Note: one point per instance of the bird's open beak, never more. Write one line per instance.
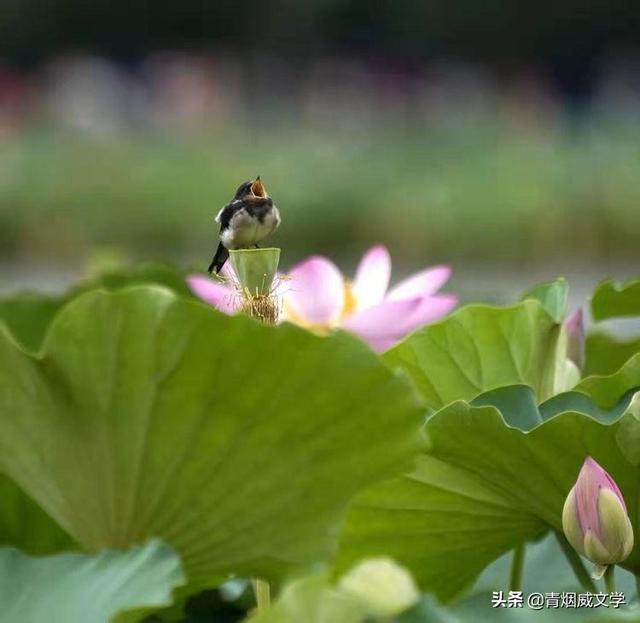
(258, 189)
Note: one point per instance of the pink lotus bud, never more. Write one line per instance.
(594, 517)
(574, 326)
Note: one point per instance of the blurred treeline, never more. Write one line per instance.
(499, 31)
(503, 133)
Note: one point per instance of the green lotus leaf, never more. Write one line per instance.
(479, 348)
(490, 480)
(27, 314)
(519, 402)
(606, 354)
(23, 524)
(148, 414)
(579, 402)
(614, 300)
(139, 274)
(553, 296)
(80, 588)
(442, 523)
(606, 391)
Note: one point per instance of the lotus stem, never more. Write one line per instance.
(610, 578)
(517, 568)
(263, 595)
(582, 575)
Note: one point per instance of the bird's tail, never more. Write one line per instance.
(219, 259)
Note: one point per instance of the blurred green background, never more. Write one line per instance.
(502, 139)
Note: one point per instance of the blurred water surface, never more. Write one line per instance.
(508, 180)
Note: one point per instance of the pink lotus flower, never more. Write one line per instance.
(317, 296)
(595, 519)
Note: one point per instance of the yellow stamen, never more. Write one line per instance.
(349, 306)
(262, 307)
(350, 300)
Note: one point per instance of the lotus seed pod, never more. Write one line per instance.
(256, 269)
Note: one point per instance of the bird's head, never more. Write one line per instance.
(253, 189)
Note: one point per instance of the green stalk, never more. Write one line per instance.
(263, 595)
(610, 578)
(637, 577)
(574, 560)
(255, 270)
(517, 567)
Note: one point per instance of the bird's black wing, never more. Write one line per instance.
(220, 257)
(224, 218)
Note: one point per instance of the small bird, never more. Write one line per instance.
(248, 218)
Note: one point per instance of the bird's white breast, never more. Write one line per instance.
(245, 230)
